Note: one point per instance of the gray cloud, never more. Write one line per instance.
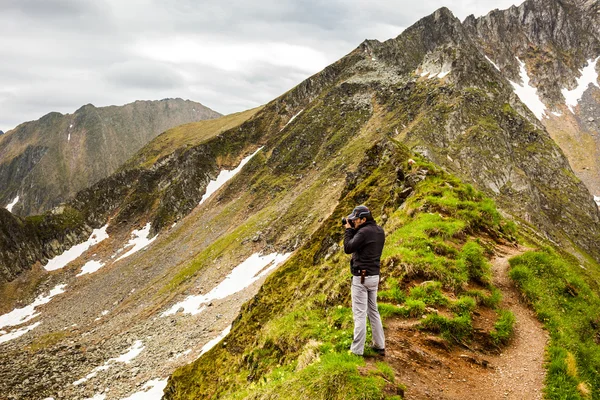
(60, 54)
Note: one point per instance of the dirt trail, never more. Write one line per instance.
(432, 369)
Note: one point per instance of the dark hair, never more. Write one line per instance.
(369, 217)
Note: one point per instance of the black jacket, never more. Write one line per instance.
(366, 245)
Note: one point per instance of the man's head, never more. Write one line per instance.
(360, 215)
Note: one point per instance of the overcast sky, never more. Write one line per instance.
(57, 55)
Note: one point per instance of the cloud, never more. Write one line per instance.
(144, 74)
(60, 54)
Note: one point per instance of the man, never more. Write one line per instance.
(365, 239)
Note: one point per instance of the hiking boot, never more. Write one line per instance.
(379, 352)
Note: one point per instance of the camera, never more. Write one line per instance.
(351, 222)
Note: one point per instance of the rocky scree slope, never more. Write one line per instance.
(557, 45)
(47, 161)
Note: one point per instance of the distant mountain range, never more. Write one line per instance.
(45, 162)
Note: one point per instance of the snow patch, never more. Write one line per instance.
(225, 176)
(74, 252)
(184, 353)
(291, 119)
(98, 396)
(209, 345)
(126, 358)
(19, 316)
(69, 137)
(242, 276)
(132, 353)
(528, 94)
(588, 76)
(71, 126)
(10, 206)
(139, 240)
(91, 267)
(493, 63)
(153, 390)
(19, 332)
(597, 200)
(556, 114)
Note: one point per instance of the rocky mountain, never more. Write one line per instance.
(209, 265)
(45, 162)
(551, 48)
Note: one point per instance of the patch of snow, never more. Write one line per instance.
(153, 390)
(74, 252)
(98, 396)
(174, 223)
(139, 240)
(242, 276)
(10, 206)
(132, 353)
(91, 374)
(291, 119)
(589, 76)
(70, 126)
(19, 316)
(556, 114)
(126, 358)
(90, 267)
(223, 177)
(19, 332)
(184, 353)
(444, 71)
(209, 345)
(597, 200)
(69, 137)
(493, 63)
(528, 94)
(105, 312)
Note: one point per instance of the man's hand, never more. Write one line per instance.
(348, 226)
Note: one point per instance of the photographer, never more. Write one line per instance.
(364, 239)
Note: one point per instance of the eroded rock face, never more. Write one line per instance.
(556, 41)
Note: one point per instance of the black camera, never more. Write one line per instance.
(351, 222)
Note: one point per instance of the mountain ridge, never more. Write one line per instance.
(340, 138)
(45, 162)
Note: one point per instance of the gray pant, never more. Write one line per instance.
(364, 302)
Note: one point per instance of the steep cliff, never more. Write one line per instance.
(47, 161)
(558, 44)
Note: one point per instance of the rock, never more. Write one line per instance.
(590, 119)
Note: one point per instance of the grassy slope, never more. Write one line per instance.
(187, 135)
(565, 295)
(293, 342)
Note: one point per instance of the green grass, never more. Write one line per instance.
(335, 376)
(431, 257)
(189, 135)
(565, 298)
(503, 328)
